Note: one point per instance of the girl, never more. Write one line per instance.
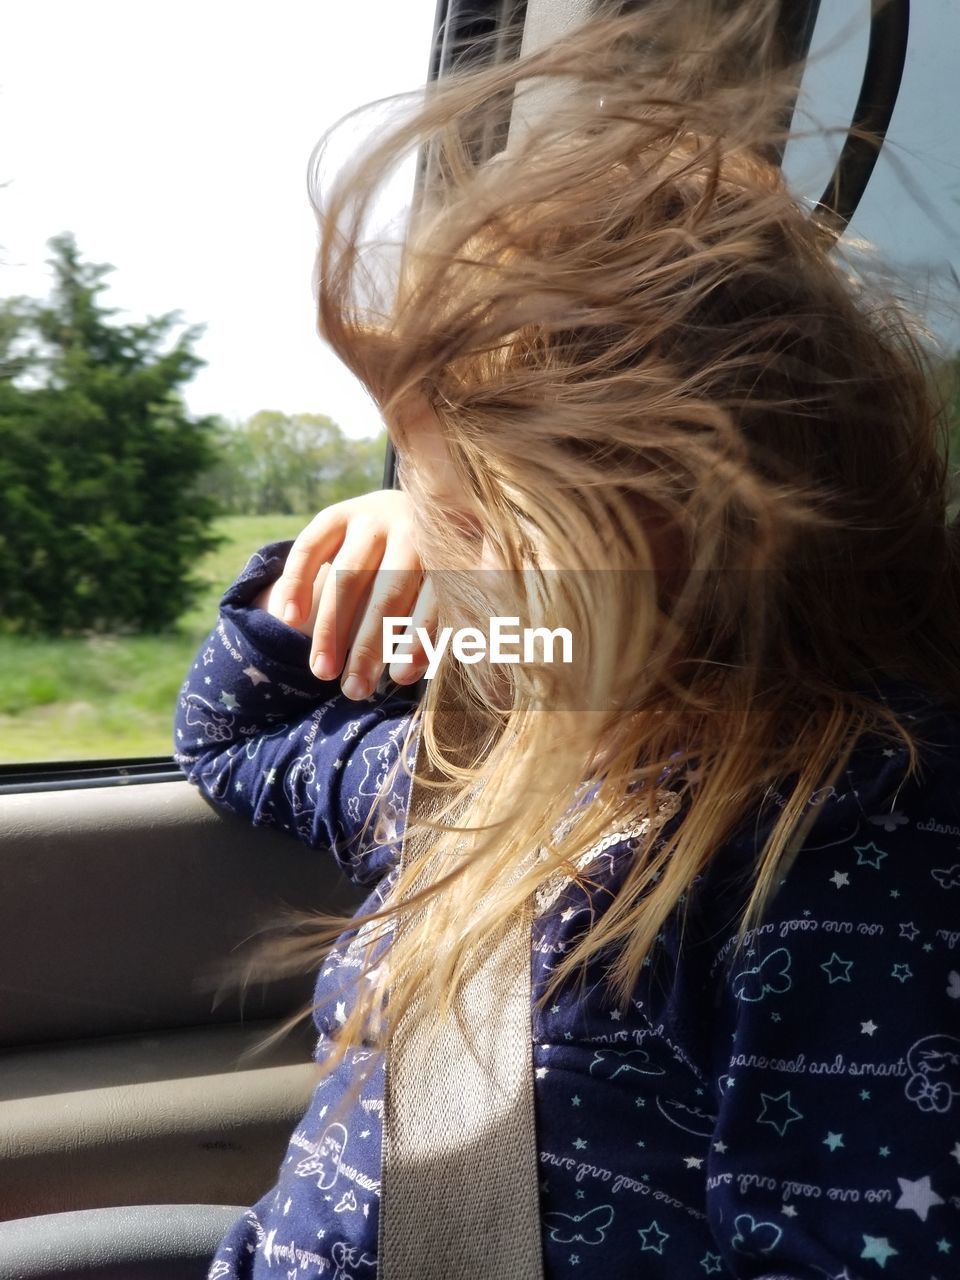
(629, 382)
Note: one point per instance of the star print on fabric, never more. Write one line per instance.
(884, 1151)
(229, 701)
(918, 1196)
(837, 970)
(944, 1246)
(256, 676)
(653, 1238)
(720, 1148)
(877, 1249)
(778, 1111)
(864, 1095)
(840, 878)
(208, 680)
(693, 1162)
(833, 1140)
(876, 855)
(956, 1152)
(788, 1211)
(711, 1263)
(541, 1072)
(575, 1101)
(579, 1143)
(909, 931)
(902, 972)
(208, 655)
(868, 1028)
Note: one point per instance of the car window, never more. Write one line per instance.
(908, 214)
(178, 411)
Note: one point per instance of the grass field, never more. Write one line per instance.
(106, 696)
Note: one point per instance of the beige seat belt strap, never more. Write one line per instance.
(460, 1194)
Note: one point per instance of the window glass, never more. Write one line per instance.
(909, 213)
(170, 141)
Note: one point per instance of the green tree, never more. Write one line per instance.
(291, 464)
(101, 519)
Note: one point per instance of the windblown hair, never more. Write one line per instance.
(644, 356)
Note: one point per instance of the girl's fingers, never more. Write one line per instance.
(344, 593)
(308, 626)
(424, 621)
(312, 548)
(393, 594)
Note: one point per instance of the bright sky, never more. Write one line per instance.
(173, 141)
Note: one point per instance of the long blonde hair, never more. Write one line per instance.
(624, 321)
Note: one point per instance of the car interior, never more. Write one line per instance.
(132, 1130)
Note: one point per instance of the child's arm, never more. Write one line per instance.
(256, 731)
(837, 1146)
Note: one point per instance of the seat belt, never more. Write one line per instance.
(459, 1191)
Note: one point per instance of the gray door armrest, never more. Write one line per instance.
(135, 1242)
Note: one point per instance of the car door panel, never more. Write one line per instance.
(122, 1079)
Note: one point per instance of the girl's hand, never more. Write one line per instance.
(368, 543)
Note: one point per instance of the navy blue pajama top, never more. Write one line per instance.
(790, 1112)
